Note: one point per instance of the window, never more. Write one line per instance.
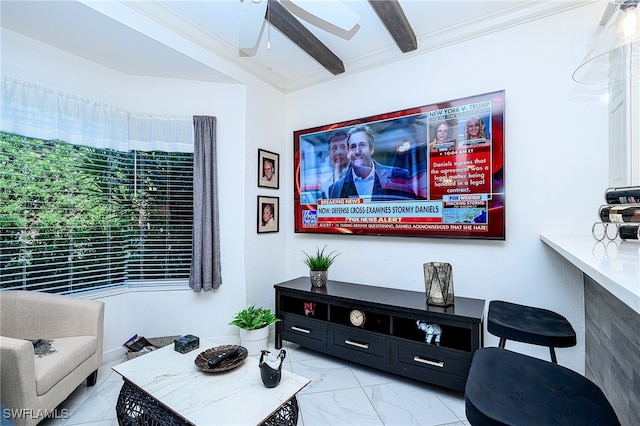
(74, 218)
(163, 210)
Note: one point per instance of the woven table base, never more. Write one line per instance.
(135, 408)
(287, 415)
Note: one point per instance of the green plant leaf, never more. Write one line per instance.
(320, 261)
(252, 318)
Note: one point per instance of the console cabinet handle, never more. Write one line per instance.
(357, 344)
(429, 362)
(301, 330)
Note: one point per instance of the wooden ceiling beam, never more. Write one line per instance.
(392, 16)
(291, 28)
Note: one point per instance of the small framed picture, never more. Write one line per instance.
(268, 169)
(268, 214)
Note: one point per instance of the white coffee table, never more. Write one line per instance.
(175, 383)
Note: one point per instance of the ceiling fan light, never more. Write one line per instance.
(629, 25)
(618, 41)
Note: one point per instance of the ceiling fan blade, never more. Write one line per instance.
(252, 16)
(392, 16)
(293, 29)
(333, 12)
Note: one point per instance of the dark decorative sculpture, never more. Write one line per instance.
(271, 375)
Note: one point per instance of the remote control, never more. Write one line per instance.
(214, 361)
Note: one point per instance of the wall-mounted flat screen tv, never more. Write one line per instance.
(430, 171)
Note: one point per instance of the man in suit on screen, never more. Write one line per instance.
(366, 178)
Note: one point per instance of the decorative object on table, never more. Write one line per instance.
(438, 280)
(309, 309)
(237, 356)
(319, 264)
(268, 214)
(254, 327)
(151, 344)
(620, 217)
(268, 169)
(156, 343)
(431, 330)
(216, 360)
(186, 343)
(137, 343)
(271, 368)
(357, 318)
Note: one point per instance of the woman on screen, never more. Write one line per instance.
(475, 132)
(441, 141)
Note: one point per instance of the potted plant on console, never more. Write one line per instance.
(319, 264)
(254, 328)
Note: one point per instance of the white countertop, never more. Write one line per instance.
(615, 265)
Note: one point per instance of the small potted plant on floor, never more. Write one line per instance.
(254, 328)
(319, 264)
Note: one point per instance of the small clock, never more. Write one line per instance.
(357, 317)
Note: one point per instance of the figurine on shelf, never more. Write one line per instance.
(309, 309)
(431, 330)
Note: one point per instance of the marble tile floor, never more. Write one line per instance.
(340, 393)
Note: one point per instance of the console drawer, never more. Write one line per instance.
(303, 330)
(423, 358)
(359, 345)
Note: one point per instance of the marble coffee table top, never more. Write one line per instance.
(234, 397)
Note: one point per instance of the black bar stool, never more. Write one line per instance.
(510, 321)
(508, 388)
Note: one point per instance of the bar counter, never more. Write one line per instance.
(611, 277)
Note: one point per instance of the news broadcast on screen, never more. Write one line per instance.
(429, 171)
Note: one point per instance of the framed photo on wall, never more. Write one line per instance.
(268, 169)
(268, 214)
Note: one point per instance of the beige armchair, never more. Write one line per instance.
(33, 386)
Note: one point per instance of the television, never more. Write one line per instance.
(430, 171)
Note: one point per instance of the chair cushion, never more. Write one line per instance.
(529, 324)
(69, 353)
(508, 388)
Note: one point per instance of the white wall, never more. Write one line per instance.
(555, 166)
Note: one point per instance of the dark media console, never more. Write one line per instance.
(388, 339)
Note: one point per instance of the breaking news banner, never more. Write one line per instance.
(455, 210)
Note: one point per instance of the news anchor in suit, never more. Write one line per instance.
(368, 179)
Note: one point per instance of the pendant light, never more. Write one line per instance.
(619, 42)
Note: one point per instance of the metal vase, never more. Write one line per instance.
(318, 278)
(438, 281)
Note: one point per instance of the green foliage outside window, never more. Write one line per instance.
(75, 217)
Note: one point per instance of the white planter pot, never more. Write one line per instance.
(255, 340)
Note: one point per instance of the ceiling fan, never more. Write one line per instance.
(333, 16)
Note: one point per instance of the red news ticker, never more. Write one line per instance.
(342, 219)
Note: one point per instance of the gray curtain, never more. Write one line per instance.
(205, 264)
